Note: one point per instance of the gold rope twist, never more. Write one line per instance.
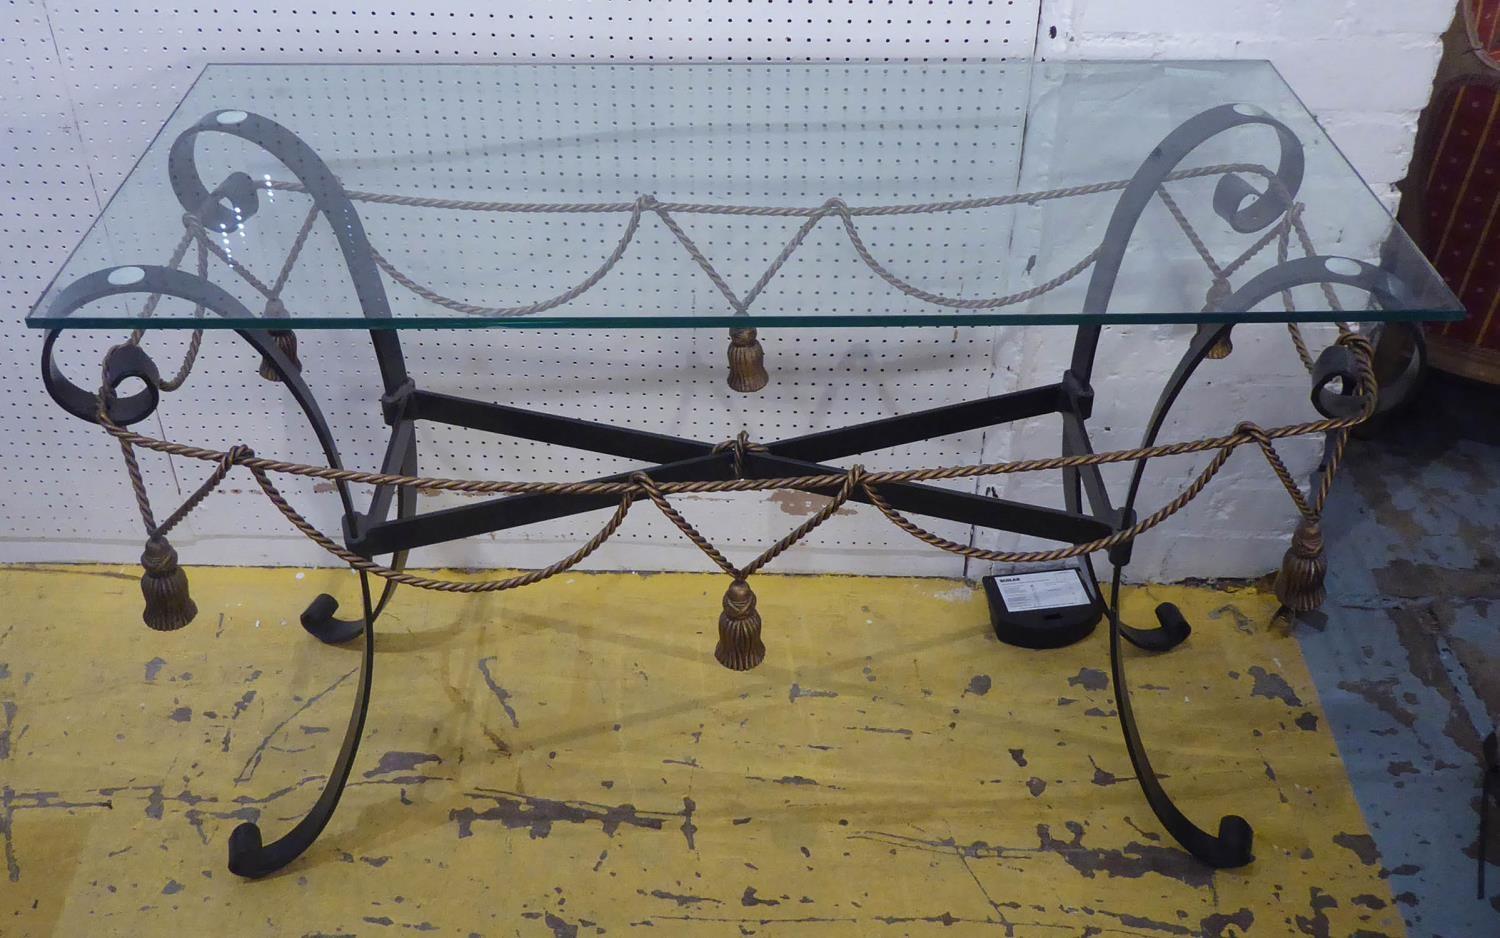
(202, 492)
(1273, 458)
(852, 479)
(1245, 431)
(847, 481)
(1060, 553)
(433, 583)
(1281, 233)
(823, 481)
(1330, 471)
(653, 492)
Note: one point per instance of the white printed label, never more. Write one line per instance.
(1046, 589)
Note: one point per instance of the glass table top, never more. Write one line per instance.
(586, 196)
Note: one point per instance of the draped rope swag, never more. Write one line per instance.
(1299, 586)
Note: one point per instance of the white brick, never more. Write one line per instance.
(1206, 554)
(1375, 73)
(1318, 18)
(1378, 144)
(1355, 19)
(1143, 46)
(1384, 17)
(1102, 17)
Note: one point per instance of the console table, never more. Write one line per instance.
(1088, 195)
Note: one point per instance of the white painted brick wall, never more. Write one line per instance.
(1365, 67)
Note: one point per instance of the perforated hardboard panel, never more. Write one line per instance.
(92, 85)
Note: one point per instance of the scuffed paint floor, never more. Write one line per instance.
(1407, 660)
(568, 760)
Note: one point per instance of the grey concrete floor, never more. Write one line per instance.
(1406, 653)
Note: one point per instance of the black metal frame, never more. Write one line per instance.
(374, 532)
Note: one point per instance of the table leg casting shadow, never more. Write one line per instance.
(1089, 514)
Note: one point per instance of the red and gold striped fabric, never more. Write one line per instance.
(1460, 218)
(1482, 17)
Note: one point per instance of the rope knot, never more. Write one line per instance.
(1217, 291)
(235, 456)
(1263, 439)
(1251, 429)
(739, 446)
(647, 484)
(1356, 341)
(285, 341)
(1364, 358)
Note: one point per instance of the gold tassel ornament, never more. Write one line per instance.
(165, 587)
(286, 343)
(740, 647)
(747, 361)
(1217, 292)
(1221, 349)
(1299, 585)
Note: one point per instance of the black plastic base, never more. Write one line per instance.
(1043, 628)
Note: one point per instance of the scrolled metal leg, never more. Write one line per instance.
(330, 199)
(1172, 629)
(1231, 847)
(1246, 210)
(319, 619)
(249, 855)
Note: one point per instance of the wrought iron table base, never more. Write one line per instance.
(375, 532)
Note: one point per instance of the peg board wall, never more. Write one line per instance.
(89, 85)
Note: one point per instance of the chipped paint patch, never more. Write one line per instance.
(802, 504)
(1272, 686)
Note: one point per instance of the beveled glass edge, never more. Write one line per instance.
(37, 320)
(730, 321)
(33, 319)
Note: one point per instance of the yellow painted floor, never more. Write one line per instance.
(569, 760)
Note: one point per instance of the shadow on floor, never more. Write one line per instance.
(1408, 659)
